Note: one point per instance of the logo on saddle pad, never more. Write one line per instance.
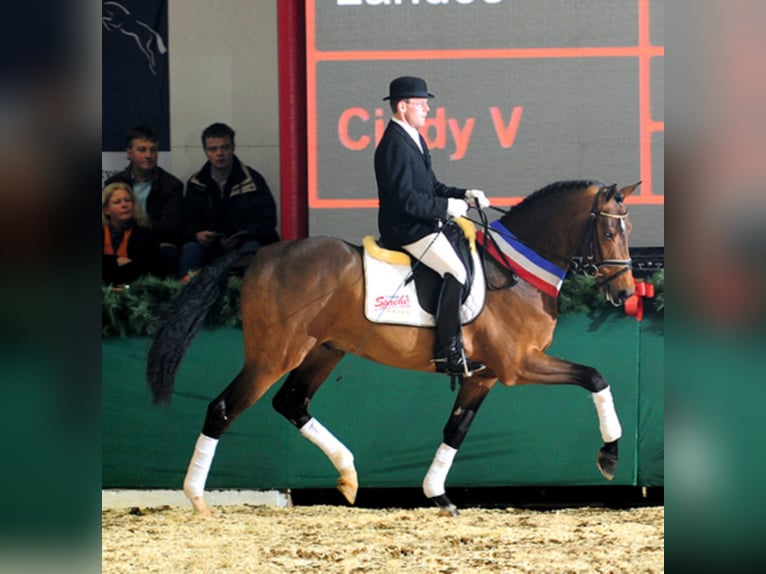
(390, 293)
(389, 301)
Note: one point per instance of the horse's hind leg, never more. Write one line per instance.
(292, 401)
(241, 393)
(472, 393)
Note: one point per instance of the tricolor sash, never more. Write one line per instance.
(520, 259)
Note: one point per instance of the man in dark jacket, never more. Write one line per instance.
(415, 207)
(225, 198)
(158, 192)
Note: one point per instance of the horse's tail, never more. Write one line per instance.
(182, 320)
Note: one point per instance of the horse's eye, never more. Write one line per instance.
(609, 235)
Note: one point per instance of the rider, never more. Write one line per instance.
(414, 208)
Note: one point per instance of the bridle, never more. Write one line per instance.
(592, 263)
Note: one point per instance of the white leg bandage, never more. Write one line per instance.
(196, 475)
(336, 451)
(433, 483)
(608, 423)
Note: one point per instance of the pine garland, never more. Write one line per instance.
(135, 310)
(579, 294)
(658, 280)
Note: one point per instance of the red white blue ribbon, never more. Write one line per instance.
(520, 259)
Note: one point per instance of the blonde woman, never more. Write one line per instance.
(129, 247)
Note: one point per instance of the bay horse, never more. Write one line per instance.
(302, 311)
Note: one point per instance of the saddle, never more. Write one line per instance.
(401, 291)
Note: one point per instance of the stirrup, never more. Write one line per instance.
(456, 364)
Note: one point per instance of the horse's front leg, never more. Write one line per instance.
(543, 369)
(611, 431)
(471, 395)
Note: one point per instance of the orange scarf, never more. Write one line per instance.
(122, 250)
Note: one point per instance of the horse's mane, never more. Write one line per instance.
(553, 189)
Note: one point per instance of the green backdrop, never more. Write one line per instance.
(392, 419)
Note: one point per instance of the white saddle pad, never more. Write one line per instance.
(389, 300)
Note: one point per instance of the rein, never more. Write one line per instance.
(587, 265)
(484, 253)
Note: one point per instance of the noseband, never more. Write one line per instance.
(592, 263)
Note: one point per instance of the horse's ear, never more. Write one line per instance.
(610, 191)
(627, 190)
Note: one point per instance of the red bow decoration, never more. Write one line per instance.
(634, 305)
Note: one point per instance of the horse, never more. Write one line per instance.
(301, 306)
(117, 17)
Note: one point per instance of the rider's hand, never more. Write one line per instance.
(456, 207)
(478, 197)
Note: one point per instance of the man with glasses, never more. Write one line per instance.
(415, 210)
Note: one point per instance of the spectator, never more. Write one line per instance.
(226, 203)
(129, 247)
(159, 193)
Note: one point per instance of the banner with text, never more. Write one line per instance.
(527, 93)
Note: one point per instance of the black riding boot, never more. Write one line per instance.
(448, 351)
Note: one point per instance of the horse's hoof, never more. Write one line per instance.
(607, 460)
(201, 509)
(446, 508)
(348, 485)
(449, 511)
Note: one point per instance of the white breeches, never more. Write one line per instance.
(438, 254)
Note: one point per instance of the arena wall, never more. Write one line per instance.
(392, 419)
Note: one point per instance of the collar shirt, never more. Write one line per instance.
(414, 133)
(142, 189)
(221, 182)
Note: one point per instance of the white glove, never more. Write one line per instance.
(456, 207)
(478, 196)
